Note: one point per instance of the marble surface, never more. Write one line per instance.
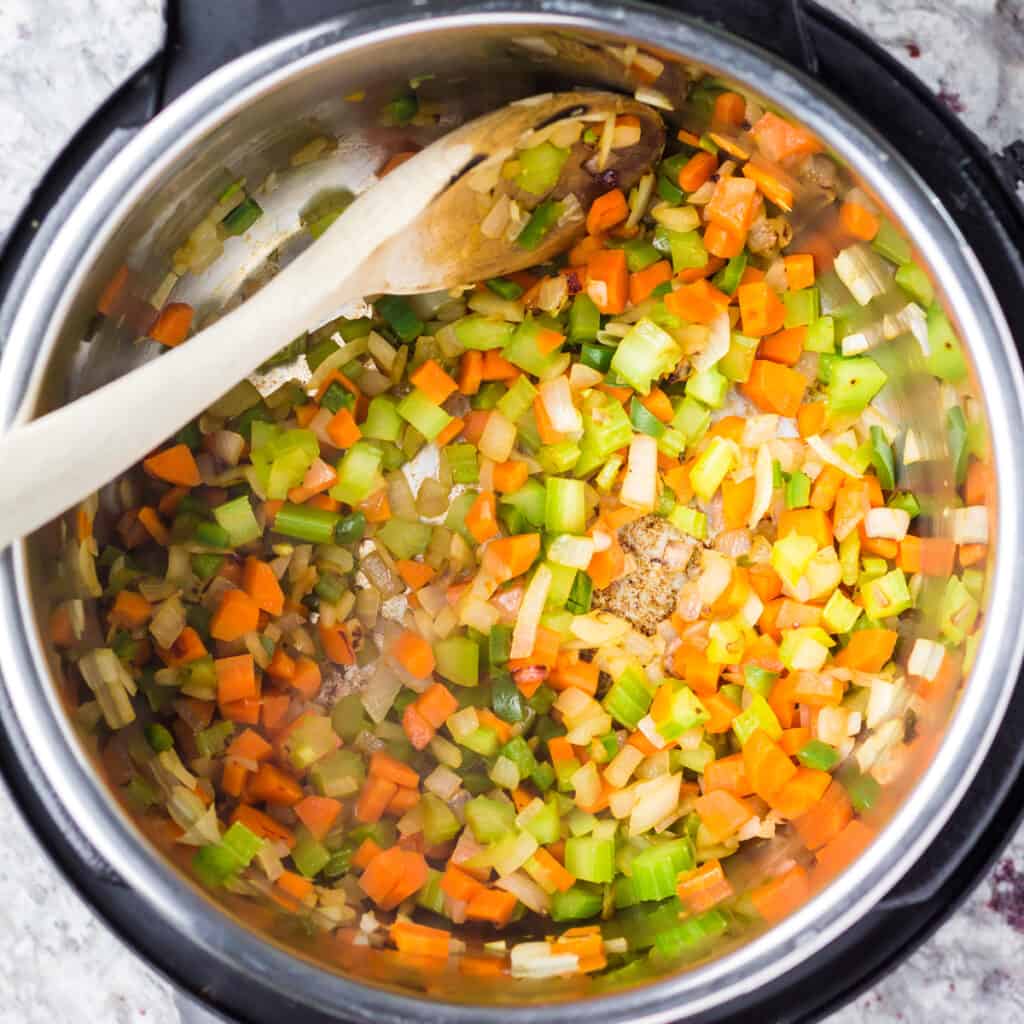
(58, 963)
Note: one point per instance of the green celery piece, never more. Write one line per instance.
(886, 596)
(546, 825)
(757, 715)
(565, 509)
(803, 307)
(605, 431)
(759, 680)
(242, 217)
(540, 167)
(578, 903)
(958, 611)
(236, 516)
(562, 579)
(462, 462)
(685, 247)
(736, 364)
(316, 525)
(309, 855)
(689, 521)
(710, 387)
(405, 538)
(489, 819)
(531, 501)
(646, 353)
(946, 360)
(891, 244)
(455, 520)
(523, 351)
(628, 698)
(817, 755)
(518, 752)
(656, 869)
(439, 822)
(395, 309)
(431, 896)
(863, 791)
(312, 739)
(644, 421)
(458, 660)
(481, 332)
(518, 399)
(382, 421)
(882, 459)
(916, 283)
(692, 418)
(487, 398)
(821, 335)
(559, 458)
(538, 227)
(590, 859)
(685, 712)
(670, 191)
(853, 383)
(504, 288)
(728, 278)
(427, 417)
(357, 473)
(484, 741)
(338, 775)
(798, 489)
(584, 319)
(287, 471)
(690, 938)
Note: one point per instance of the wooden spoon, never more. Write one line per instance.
(417, 230)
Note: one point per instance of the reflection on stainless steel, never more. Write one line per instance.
(247, 121)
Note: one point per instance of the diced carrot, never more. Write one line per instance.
(978, 485)
(571, 672)
(722, 241)
(336, 644)
(236, 615)
(700, 302)
(405, 799)
(295, 888)
(342, 429)
(59, 628)
(807, 522)
(187, 648)
(858, 221)
(490, 720)
(377, 507)
(780, 700)
(768, 768)
(545, 650)
(769, 184)
(560, 749)
(608, 280)
(690, 663)
(414, 654)
(703, 887)
(972, 554)
(729, 109)
(497, 367)
(782, 895)
(784, 347)
(459, 884)
(419, 940)
(643, 282)
(794, 740)
(232, 777)
(385, 766)
(509, 477)
(281, 666)
(414, 574)
(868, 650)
(658, 404)
(606, 211)
(732, 204)
(130, 610)
(419, 731)
(508, 557)
(697, 170)
(799, 270)
(728, 773)
(482, 517)
(393, 876)
(273, 786)
(270, 510)
(260, 583)
(481, 966)
(471, 368)
(801, 792)
(737, 500)
(433, 381)
(494, 905)
(607, 566)
(307, 678)
(318, 814)
(844, 849)
(780, 139)
(826, 819)
(374, 798)
(172, 325)
(721, 710)
(722, 814)
(249, 745)
(236, 678)
(450, 432)
(368, 849)
(436, 704)
(154, 527)
(761, 310)
(810, 418)
(883, 547)
(775, 388)
(545, 428)
(263, 825)
(176, 465)
(274, 711)
(826, 488)
(555, 874)
(113, 291)
(395, 160)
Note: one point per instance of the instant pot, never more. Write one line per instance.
(249, 75)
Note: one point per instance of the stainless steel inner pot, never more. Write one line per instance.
(247, 119)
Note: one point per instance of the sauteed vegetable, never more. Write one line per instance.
(560, 595)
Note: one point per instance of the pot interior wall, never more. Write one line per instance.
(458, 73)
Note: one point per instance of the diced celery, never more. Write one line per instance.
(357, 473)
(646, 353)
(689, 521)
(958, 611)
(821, 335)
(578, 903)
(886, 596)
(309, 855)
(340, 774)
(757, 715)
(946, 360)
(482, 332)
(530, 500)
(738, 361)
(429, 419)
(540, 167)
(890, 243)
(590, 859)
(584, 320)
(685, 247)
(523, 350)
(710, 387)
(916, 283)
(712, 467)
(439, 822)
(458, 660)
(489, 819)
(802, 307)
(546, 824)
(853, 383)
(798, 490)
(382, 421)
(518, 399)
(644, 421)
(839, 613)
(629, 697)
(685, 710)
(560, 457)
(565, 509)
(405, 538)
(692, 419)
(236, 516)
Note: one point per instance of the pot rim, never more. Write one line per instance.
(181, 904)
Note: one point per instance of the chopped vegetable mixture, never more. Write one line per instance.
(538, 601)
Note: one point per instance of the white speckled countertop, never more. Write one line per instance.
(58, 964)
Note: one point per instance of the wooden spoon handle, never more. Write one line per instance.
(55, 461)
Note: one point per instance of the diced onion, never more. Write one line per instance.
(524, 635)
(887, 523)
(926, 658)
(640, 488)
(526, 890)
(969, 525)
(717, 346)
(656, 799)
(764, 486)
(596, 629)
(499, 437)
(825, 452)
(380, 692)
(558, 404)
